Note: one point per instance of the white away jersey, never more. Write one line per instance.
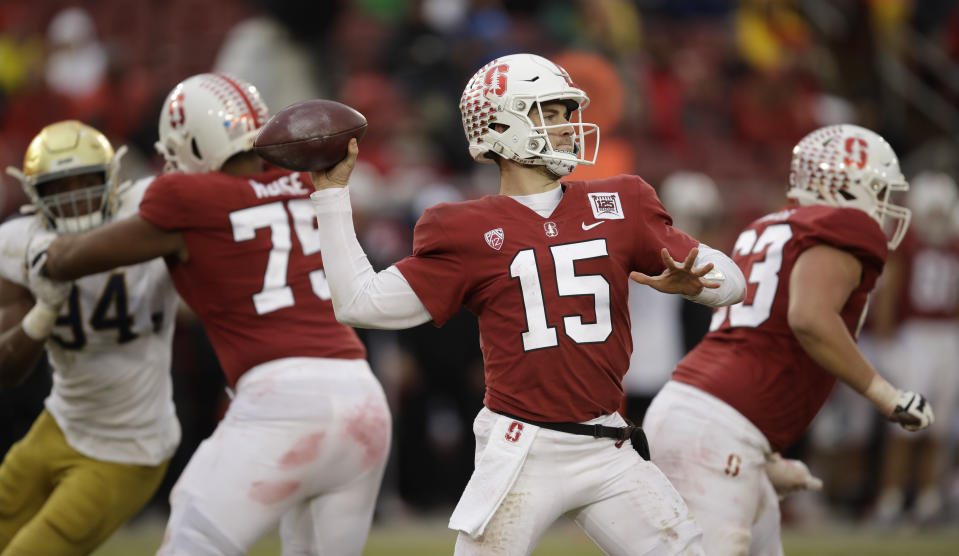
(110, 351)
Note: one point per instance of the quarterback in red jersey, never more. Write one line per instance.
(545, 267)
(307, 433)
(757, 379)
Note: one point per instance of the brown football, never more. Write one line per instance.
(309, 136)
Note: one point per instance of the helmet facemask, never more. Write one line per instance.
(511, 92)
(81, 156)
(850, 166)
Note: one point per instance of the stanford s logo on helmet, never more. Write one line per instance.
(850, 166)
(504, 92)
(208, 118)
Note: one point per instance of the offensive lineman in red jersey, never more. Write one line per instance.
(757, 379)
(306, 437)
(545, 267)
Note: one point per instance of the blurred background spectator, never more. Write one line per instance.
(717, 87)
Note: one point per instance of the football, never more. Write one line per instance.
(309, 136)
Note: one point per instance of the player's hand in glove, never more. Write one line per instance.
(50, 294)
(46, 291)
(790, 475)
(912, 411)
(909, 409)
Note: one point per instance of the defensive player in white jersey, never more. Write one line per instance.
(101, 446)
(545, 267)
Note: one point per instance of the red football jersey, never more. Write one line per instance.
(931, 286)
(254, 273)
(750, 358)
(550, 293)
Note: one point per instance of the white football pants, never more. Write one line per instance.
(716, 459)
(304, 442)
(625, 504)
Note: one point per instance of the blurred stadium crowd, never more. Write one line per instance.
(717, 87)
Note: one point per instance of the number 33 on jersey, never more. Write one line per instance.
(768, 249)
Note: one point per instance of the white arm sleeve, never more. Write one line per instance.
(361, 297)
(732, 283)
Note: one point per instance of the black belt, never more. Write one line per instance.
(630, 432)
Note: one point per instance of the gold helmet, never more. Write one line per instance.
(70, 149)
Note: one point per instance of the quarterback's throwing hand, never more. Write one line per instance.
(44, 289)
(678, 278)
(338, 175)
(912, 411)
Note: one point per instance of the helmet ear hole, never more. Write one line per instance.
(196, 150)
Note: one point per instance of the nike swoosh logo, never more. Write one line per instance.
(593, 225)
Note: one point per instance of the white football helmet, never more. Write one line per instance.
(206, 119)
(850, 166)
(62, 150)
(505, 91)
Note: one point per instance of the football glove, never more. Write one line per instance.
(47, 291)
(912, 412)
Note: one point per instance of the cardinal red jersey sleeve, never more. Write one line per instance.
(851, 230)
(435, 269)
(655, 230)
(169, 202)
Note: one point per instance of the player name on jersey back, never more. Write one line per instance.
(286, 185)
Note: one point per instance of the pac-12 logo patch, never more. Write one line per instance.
(494, 238)
(606, 205)
(551, 229)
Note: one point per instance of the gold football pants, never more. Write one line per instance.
(57, 501)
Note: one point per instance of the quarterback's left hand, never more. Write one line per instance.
(790, 475)
(46, 290)
(678, 278)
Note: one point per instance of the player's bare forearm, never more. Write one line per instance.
(19, 353)
(829, 343)
(124, 242)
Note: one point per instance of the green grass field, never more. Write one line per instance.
(429, 538)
